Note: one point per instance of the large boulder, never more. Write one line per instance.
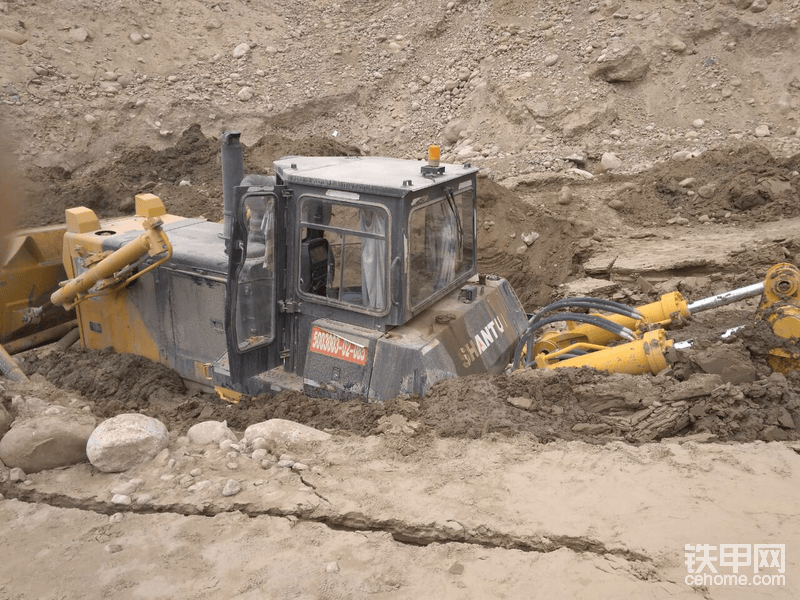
(629, 64)
(47, 441)
(210, 432)
(124, 441)
(284, 435)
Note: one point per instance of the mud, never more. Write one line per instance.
(714, 390)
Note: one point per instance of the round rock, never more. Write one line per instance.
(136, 38)
(210, 432)
(47, 441)
(125, 441)
(232, 487)
(241, 50)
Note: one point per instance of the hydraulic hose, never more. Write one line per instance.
(615, 328)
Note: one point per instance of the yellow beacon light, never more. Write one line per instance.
(434, 154)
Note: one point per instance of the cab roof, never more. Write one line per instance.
(365, 174)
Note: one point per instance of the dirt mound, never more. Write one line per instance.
(535, 269)
(117, 383)
(718, 390)
(194, 160)
(744, 181)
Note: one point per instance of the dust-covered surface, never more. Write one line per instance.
(642, 147)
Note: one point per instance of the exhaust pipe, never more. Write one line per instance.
(232, 175)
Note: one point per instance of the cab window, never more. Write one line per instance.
(441, 243)
(344, 253)
(254, 314)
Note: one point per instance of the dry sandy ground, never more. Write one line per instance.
(453, 519)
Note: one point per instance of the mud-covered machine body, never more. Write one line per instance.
(340, 276)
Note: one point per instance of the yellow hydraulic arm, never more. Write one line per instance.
(584, 344)
(116, 268)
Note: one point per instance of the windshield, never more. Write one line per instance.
(442, 247)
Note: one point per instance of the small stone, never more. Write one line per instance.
(332, 567)
(136, 38)
(16, 475)
(520, 402)
(609, 161)
(550, 60)
(116, 518)
(79, 34)
(241, 50)
(616, 204)
(688, 182)
(707, 191)
(196, 472)
(260, 444)
(113, 548)
(200, 486)
(143, 499)
(90, 119)
(232, 466)
(286, 464)
(110, 87)
(521, 250)
(677, 45)
(121, 499)
(682, 155)
(456, 569)
(13, 37)
(259, 455)
(698, 123)
(266, 463)
(785, 419)
(704, 218)
(758, 6)
(762, 131)
(245, 94)
(565, 195)
(529, 238)
(125, 489)
(299, 467)
(232, 487)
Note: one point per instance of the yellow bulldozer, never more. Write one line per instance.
(337, 276)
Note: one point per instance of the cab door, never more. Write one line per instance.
(254, 327)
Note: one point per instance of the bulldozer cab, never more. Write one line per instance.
(363, 242)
